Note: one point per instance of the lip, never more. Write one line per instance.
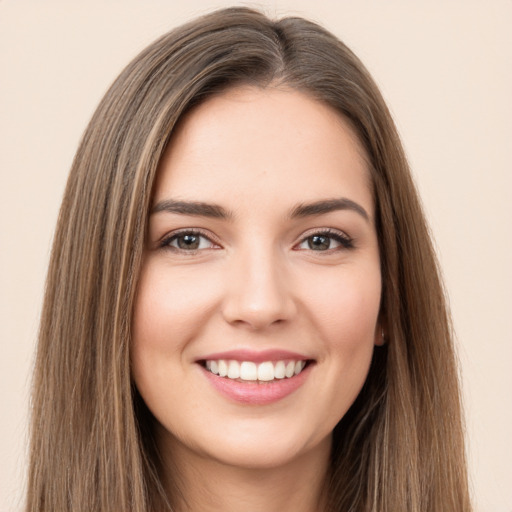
(255, 392)
(255, 356)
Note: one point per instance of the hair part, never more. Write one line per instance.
(399, 448)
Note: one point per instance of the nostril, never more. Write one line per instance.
(256, 316)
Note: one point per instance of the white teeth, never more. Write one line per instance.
(290, 369)
(250, 371)
(299, 365)
(223, 368)
(234, 369)
(266, 371)
(279, 370)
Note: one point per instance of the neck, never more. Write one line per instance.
(208, 485)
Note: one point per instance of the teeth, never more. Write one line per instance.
(266, 371)
(279, 370)
(233, 370)
(247, 370)
(223, 368)
(298, 367)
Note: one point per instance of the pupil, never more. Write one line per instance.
(318, 242)
(188, 242)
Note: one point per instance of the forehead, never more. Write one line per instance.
(278, 144)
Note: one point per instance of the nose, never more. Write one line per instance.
(258, 291)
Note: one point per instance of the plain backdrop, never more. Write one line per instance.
(445, 69)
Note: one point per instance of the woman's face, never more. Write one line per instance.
(258, 303)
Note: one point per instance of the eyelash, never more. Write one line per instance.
(338, 236)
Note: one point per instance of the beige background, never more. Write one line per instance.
(445, 69)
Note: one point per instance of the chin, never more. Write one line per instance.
(261, 446)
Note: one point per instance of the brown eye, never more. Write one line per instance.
(319, 242)
(188, 241)
(325, 241)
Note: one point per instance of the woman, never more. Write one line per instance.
(243, 308)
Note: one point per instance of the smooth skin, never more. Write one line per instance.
(250, 272)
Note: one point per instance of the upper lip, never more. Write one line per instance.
(255, 356)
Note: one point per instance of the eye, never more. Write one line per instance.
(325, 241)
(188, 241)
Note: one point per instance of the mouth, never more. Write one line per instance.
(256, 378)
(250, 371)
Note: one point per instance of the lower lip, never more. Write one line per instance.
(255, 392)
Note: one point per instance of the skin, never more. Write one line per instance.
(254, 282)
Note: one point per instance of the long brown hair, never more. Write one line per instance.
(399, 448)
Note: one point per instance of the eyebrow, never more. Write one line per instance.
(201, 209)
(192, 208)
(327, 206)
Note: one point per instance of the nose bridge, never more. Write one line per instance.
(259, 290)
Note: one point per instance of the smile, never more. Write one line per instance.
(256, 378)
(266, 371)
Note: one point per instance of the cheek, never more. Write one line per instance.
(170, 308)
(347, 310)
(161, 327)
(346, 317)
